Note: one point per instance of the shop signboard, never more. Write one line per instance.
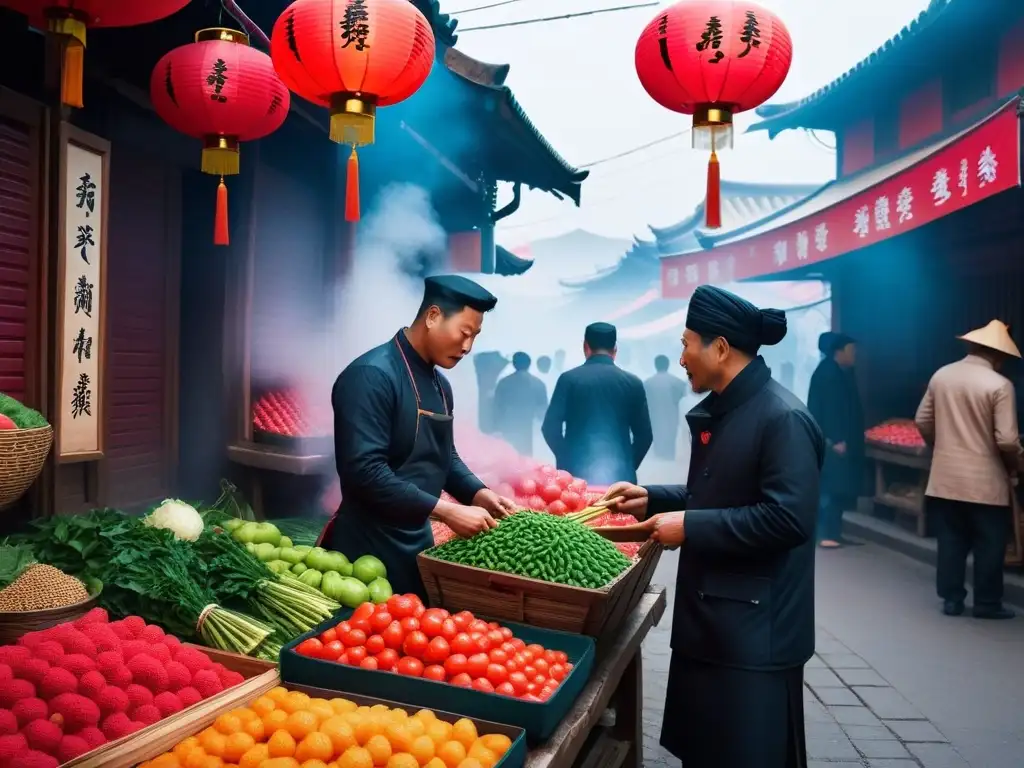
(979, 163)
(81, 296)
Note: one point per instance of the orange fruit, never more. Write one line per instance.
(483, 755)
(321, 708)
(365, 728)
(301, 723)
(415, 726)
(470, 762)
(255, 728)
(382, 709)
(166, 760)
(244, 714)
(452, 753)
(294, 702)
(423, 749)
(341, 706)
(196, 758)
(340, 732)
(498, 743)
(426, 715)
(437, 762)
(274, 721)
(402, 760)
(355, 757)
(255, 756)
(399, 736)
(213, 762)
(315, 746)
(314, 764)
(228, 723)
(183, 748)
(398, 714)
(278, 694)
(281, 744)
(237, 745)
(439, 731)
(379, 748)
(263, 705)
(213, 742)
(281, 762)
(464, 730)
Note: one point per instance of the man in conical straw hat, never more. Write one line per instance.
(969, 416)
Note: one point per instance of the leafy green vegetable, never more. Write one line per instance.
(23, 416)
(13, 560)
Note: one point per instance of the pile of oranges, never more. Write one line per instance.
(288, 729)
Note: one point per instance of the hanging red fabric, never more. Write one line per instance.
(713, 198)
(352, 188)
(221, 234)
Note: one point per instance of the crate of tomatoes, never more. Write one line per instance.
(401, 650)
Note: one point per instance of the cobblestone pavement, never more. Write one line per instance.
(893, 683)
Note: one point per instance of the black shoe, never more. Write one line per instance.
(953, 608)
(993, 613)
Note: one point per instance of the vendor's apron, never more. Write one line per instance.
(361, 531)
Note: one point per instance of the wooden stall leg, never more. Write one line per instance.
(629, 711)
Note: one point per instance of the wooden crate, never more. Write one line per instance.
(505, 596)
(155, 744)
(260, 676)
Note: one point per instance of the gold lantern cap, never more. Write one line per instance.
(712, 127)
(225, 34)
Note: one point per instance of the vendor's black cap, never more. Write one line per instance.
(455, 289)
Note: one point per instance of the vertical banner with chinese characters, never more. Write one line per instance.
(81, 297)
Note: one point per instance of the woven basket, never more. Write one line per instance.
(22, 453)
(14, 624)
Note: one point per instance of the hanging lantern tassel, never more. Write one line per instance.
(72, 38)
(220, 221)
(713, 197)
(352, 187)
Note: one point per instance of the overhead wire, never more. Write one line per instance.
(544, 19)
(464, 11)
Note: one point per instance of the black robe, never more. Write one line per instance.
(743, 620)
(520, 400)
(834, 401)
(598, 426)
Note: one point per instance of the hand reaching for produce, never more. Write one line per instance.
(669, 529)
(467, 522)
(629, 499)
(497, 505)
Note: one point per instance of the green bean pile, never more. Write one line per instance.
(540, 546)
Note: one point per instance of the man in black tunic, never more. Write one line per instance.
(743, 624)
(393, 440)
(520, 400)
(598, 426)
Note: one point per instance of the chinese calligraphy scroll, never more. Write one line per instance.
(81, 297)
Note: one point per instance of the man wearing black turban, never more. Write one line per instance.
(743, 623)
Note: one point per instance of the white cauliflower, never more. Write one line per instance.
(177, 516)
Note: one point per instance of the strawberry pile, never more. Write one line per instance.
(904, 434)
(289, 414)
(69, 689)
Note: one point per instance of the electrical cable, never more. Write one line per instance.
(464, 11)
(635, 149)
(557, 18)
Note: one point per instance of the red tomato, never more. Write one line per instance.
(354, 637)
(343, 628)
(545, 693)
(511, 665)
(462, 681)
(437, 651)
(415, 644)
(455, 664)
(508, 648)
(541, 666)
(493, 625)
(440, 613)
(506, 633)
(534, 502)
(410, 624)
(364, 611)
(400, 606)
(568, 667)
(550, 658)
(448, 629)
(527, 486)
(531, 698)
(551, 492)
(387, 659)
(332, 650)
(540, 681)
(572, 500)
(431, 624)
(356, 655)
(535, 649)
(368, 663)
(434, 672)
(363, 625)
(530, 671)
(393, 635)
(561, 657)
(328, 635)
(558, 507)
(496, 638)
(578, 486)
(518, 643)
(477, 664)
(483, 685)
(463, 643)
(343, 659)
(462, 620)
(482, 642)
(518, 682)
(375, 644)
(497, 674)
(311, 647)
(505, 689)
(498, 656)
(380, 620)
(478, 625)
(564, 478)
(547, 471)
(557, 672)
(410, 666)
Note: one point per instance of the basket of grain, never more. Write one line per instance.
(42, 597)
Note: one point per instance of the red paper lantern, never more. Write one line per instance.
(353, 56)
(712, 59)
(71, 18)
(220, 90)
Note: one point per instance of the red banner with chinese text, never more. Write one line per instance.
(983, 162)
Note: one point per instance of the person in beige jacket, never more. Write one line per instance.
(969, 417)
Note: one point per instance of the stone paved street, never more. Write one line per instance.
(893, 684)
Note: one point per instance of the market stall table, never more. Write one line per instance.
(616, 683)
(258, 458)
